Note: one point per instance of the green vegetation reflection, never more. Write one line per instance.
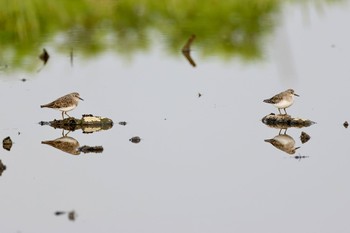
(223, 28)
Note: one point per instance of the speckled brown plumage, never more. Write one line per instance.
(65, 103)
(282, 100)
(65, 143)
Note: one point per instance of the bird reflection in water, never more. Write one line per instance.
(283, 142)
(65, 143)
(71, 145)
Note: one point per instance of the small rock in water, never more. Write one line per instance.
(59, 213)
(300, 157)
(2, 167)
(199, 95)
(346, 124)
(44, 56)
(7, 143)
(135, 139)
(304, 137)
(91, 149)
(72, 215)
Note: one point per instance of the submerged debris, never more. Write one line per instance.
(199, 95)
(304, 137)
(44, 123)
(88, 123)
(91, 149)
(71, 55)
(186, 50)
(346, 124)
(44, 56)
(71, 215)
(135, 139)
(2, 167)
(3, 66)
(285, 121)
(7, 143)
(60, 213)
(300, 157)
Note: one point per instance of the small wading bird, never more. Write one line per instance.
(282, 100)
(186, 50)
(65, 103)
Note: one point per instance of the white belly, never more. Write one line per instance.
(66, 109)
(284, 104)
(285, 140)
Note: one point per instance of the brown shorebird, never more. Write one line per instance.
(282, 100)
(65, 103)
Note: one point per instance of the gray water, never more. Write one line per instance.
(202, 164)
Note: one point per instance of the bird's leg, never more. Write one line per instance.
(67, 114)
(280, 132)
(285, 111)
(279, 111)
(62, 116)
(65, 134)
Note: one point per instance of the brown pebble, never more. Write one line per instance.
(2, 167)
(7, 143)
(304, 137)
(59, 213)
(44, 56)
(71, 215)
(135, 139)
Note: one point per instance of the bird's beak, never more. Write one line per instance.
(81, 98)
(296, 94)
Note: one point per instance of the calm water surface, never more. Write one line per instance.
(202, 164)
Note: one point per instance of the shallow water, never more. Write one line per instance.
(202, 164)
